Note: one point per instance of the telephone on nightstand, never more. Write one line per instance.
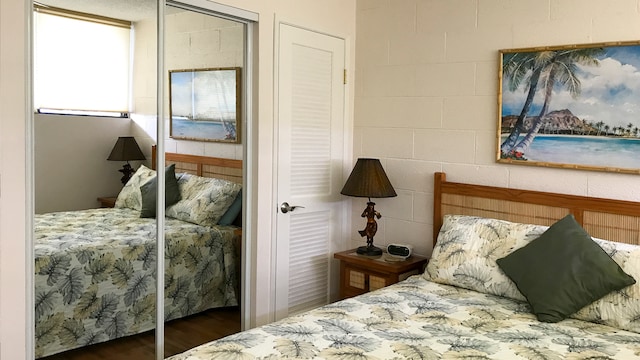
(400, 251)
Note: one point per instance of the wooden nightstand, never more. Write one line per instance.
(360, 274)
(107, 201)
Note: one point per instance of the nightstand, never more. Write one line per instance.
(107, 201)
(360, 274)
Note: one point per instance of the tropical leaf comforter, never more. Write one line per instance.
(420, 319)
(95, 274)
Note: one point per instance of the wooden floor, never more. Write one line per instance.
(180, 335)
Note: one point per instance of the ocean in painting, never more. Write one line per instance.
(201, 129)
(617, 152)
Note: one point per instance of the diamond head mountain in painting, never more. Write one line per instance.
(564, 122)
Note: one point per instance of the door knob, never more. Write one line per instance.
(285, 207)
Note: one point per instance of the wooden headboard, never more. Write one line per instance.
(205, 166)
(614, 220)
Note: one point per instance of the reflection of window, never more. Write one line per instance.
(81, 63)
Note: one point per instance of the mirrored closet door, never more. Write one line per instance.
(96, 186)
(94, 127)
(204, 60)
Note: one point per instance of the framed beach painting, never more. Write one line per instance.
(204, 104)
(575, 106)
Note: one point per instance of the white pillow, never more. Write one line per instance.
(619, 309)
(467, 249)
(130, 196)
(203, 200)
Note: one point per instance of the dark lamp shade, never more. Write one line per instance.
(125, 149)
(368, 179)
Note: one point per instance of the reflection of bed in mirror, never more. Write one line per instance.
(95, 269)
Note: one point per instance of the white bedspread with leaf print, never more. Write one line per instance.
(95, 275)
(419, 319)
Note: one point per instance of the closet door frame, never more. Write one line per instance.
(248, 19)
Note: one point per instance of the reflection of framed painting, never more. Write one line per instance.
(204, 104)
(572, 106)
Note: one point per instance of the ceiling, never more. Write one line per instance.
(132, 10)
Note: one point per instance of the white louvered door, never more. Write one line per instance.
(309, 167)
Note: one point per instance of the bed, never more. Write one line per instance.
(95, 269)
(465, 305)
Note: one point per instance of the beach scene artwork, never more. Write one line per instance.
(204, 104)
(572, 106)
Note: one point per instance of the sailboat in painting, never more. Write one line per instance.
(204, 104)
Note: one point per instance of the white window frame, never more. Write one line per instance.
(98, 84)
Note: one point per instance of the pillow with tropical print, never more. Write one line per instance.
(203, 200)
(467, 249)
(563, 271)
(621, 308)
(130, 195)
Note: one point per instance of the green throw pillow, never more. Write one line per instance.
(148, 191)
(562, 271)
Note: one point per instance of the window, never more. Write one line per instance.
(81, 62)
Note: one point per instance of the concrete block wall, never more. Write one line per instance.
(426, 98)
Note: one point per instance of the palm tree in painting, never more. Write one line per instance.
(561, 69)
(554, 67)
(606, 130)
(599, 126)
(518, 68)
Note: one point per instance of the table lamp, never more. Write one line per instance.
(126, 149)
(368, 179)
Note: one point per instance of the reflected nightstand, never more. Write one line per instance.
(107, 201)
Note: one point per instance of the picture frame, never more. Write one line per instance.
(571, 106)
(205, 104)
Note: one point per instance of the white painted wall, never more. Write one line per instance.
(426, 97)
(71, 167)
(14, 197)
